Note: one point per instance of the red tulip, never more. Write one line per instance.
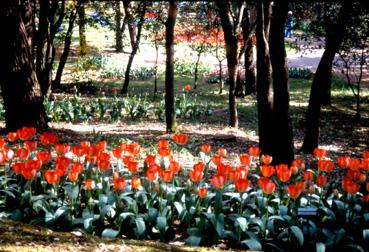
(349, 186)
(200, 166)
(354, 164)
(284, 174)
(90, 184)
(325, 165)
(29, 145)
(206, 148)
(218, 181)
(222, 152)
(308, 175)
(26, 133)
(321, 181)
(134, 148)
(118, 152)
(319, 153)
(51, 176)
(293, 191)
(164, 151)
(43, 156)
(163, 143)
(187, 87)
(343, 162)
(245, 159)
(76, 167)
(119, 184)
(266, 159)
(166, 175)
(78, 150)
(216, 159)
(22, 153)
(196, 176)
(254, 151)
(202, 192)
(62, 149)
(174, 166)
(73, 176)
(266, 185)
(135, 183)
(365, 164)
(180, 139)
(224, 169)
(12, 136)
(242, 185)
(48, 139)
(366, 154)
(267, 170)
(18, 167)
(150, 159)
(132, 166)
(152, 172)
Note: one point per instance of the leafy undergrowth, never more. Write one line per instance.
(16, 236)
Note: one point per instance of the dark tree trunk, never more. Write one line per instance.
(250, 73)
(21, 92)
(230, 28)
(239, 85)
(118, 30)
(197, 66)
(67, 42)
(44, 41)
(282, 128)
(221, 82)
(263, 84)
(170, 115)
(322, 78)
(136, 44)
(82, 30)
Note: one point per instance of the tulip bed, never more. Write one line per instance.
(122, 192)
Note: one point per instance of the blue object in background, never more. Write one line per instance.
(289, 24)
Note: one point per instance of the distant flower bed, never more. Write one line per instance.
(121, 191)
(300, 73)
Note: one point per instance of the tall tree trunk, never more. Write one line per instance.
(118, 30)
(56, 84)
(170, 115)
(230, 28)
(322, 78)
(197, 66)
(23, 100)
(82, 30)
(263, 83)
(282, 128)
(250, 73)
(136, 44)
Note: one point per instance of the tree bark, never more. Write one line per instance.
(197, 66)
(322, 78)
(169, 73)
(23, 100)
(263, 83)
(282, 128)
(156, 67)
(230, 28)
(135, 42)
(56, 84)
(118, 30)
(82, 30)
(250, 73)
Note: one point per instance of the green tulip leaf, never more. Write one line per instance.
(110, 233)
(252, 244)
(140, 227)
(299, 236)
(242, 223)
(193, 240)
(320, 247)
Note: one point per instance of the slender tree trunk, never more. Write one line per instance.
(230, 29)
(263, 84)
(21, 92)
(282, 128)
(67, 43)
(197, 66)
(82, 30)
(322, 78)
(156, 67)
(118, 30)
(221, 82)
(136, 43)
(169, 73)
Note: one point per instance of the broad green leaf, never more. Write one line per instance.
(111, 233)
(242, 223)
(366, 235)
(161, 224)
(273, 247)
(140, 227)
(320, 247)
(88, 223)
(252, 244)
(194, 231)
(153, 214)
(193, 240)
(218, 203)
(297, 233)
(354, 247)
(179, 207)
(124, 215)
(220, 225)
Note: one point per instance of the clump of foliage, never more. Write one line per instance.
(248, 203)
(300, 73)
